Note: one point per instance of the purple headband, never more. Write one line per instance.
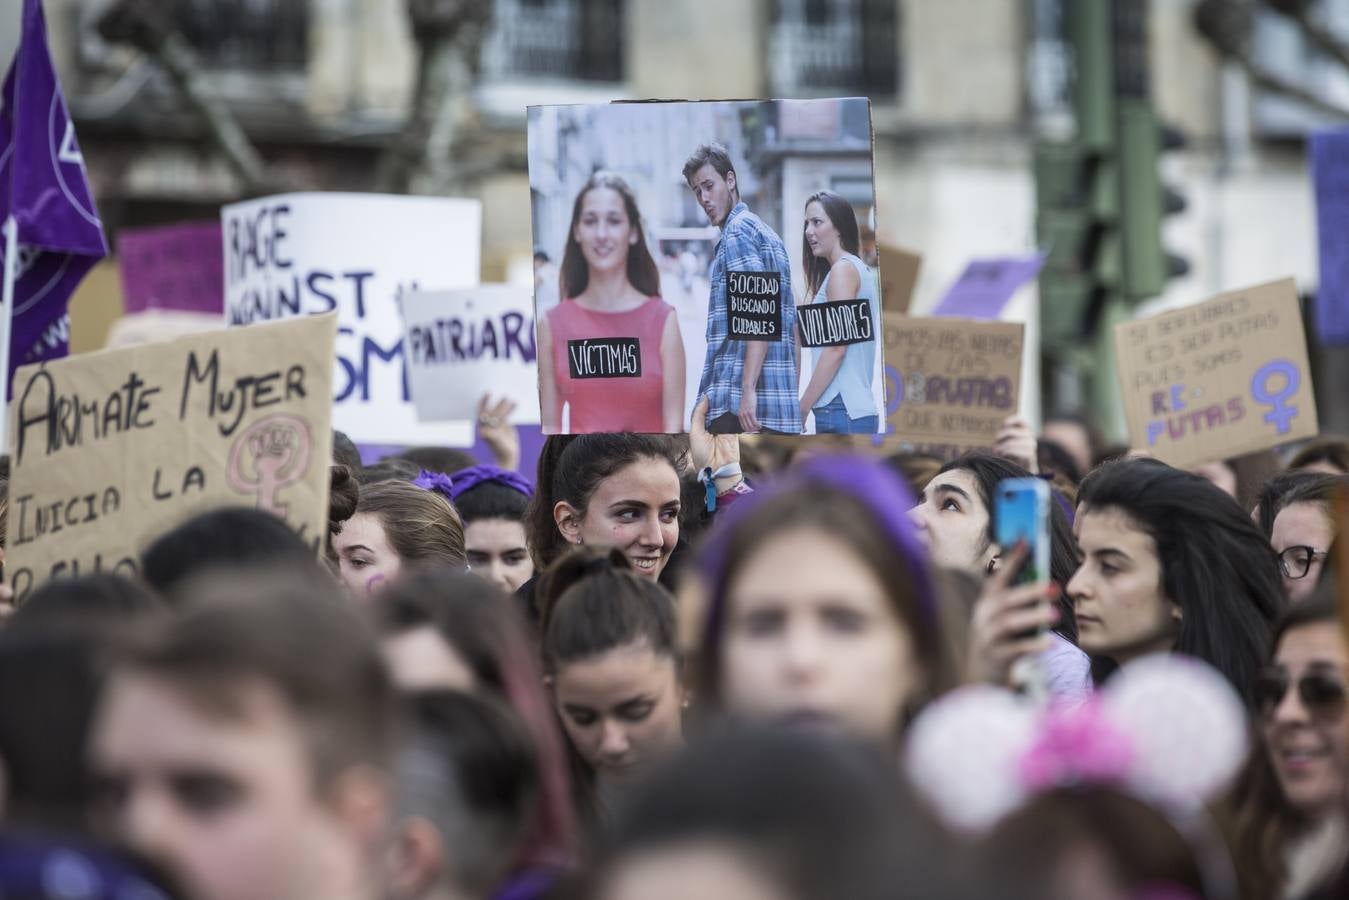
(436, 482)
(880, 490)
(468, 479)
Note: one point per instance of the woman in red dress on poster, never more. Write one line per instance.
(610, 352)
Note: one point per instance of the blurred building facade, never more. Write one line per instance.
(960, 90)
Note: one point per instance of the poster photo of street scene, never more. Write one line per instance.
(709, 258)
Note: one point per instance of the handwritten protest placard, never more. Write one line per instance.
(463, 344)
(357, 255)
(949, 383)
(898, 274)
(112, 448)
(175, 267)
(1218, 379)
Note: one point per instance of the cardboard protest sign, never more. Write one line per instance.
(655, 310)
(466, 343)
(1218, 379)
(986, 285)
(899, 275)
(178, 267)
(949, 383)
(355, 254)
(112, 448)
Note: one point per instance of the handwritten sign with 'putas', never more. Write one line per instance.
(1218, 379)
(113, 448)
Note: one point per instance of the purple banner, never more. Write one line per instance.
(986, 285)
(1330, 179)
(43, 186)
(179, 267)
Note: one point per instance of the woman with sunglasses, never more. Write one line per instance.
(1290, 804)
(1303, 530)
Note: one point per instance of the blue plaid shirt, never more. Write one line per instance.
(749, 245)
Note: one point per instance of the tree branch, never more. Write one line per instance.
(449, 34)
(146, 25)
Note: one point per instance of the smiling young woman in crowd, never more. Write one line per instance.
(1171, 564)
(608, 490)
(1290, 806)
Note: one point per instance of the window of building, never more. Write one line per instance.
(839, 48)
(567, 40)
(262, 35)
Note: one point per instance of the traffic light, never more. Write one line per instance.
(1144, 200)
(1100, 202)
(1077, 188)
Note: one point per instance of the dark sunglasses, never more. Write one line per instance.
(1321, 693)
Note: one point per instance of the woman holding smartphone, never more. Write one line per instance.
(610, 290)
(840, 389)
(955, 519)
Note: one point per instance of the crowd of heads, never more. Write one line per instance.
(621, 676)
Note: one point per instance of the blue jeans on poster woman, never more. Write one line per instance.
(832, 418)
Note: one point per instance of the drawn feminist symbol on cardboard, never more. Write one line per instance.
(270, 455)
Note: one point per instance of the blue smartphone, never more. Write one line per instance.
(1021, 515)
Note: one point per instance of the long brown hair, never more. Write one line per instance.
(421, 525)
(642, 271)
(841, 215)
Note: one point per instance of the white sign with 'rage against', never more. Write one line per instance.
(357, 255)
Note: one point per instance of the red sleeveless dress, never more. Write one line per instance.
(624, 402)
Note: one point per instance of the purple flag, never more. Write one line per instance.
(43, 186)
(986, 285)
(1330, 177)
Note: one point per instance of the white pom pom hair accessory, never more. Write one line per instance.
(1166, 728)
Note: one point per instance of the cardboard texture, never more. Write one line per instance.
(113, 448)
(718, 269)
(357, 255)
(899, 275)
(1218, 379)
(463, 344)
(949, 383)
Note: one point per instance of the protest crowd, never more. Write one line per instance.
(769, 591)
(602, 679)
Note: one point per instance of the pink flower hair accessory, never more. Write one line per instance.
(1077, 745)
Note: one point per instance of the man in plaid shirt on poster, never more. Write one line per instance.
(750, 383)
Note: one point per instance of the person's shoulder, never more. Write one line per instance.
(844, 264)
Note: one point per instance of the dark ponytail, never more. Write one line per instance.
(594, 602)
